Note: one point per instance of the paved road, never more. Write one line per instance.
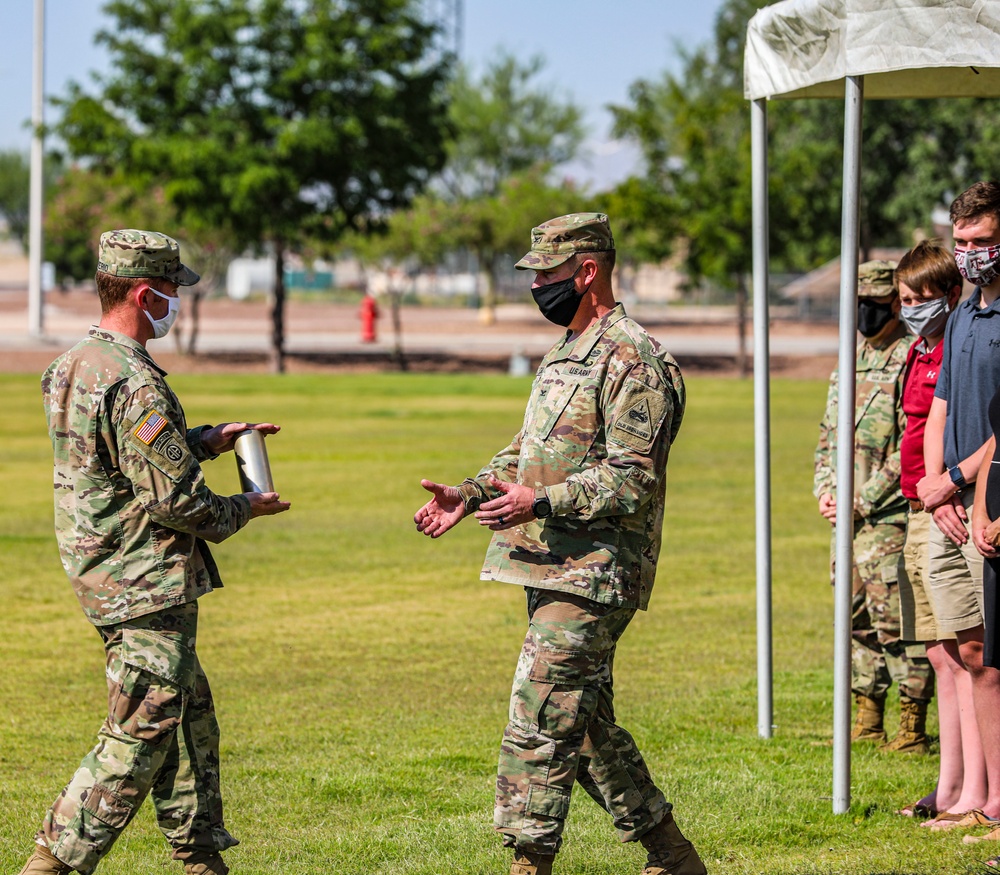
(228, 326)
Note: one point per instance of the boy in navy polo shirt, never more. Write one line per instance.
(958, 429)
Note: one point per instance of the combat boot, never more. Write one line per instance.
(669, 853)
(531, 864)
(204, 863)
(911, 737)
(44, 862)
(868, 725)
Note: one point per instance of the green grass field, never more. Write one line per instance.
(361, 671)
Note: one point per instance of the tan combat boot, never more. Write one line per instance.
(911, 737)
(43, 862)
(868, 725)
(531, 864)
(669, 852)
(203, 863)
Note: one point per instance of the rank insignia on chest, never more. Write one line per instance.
(149, 427)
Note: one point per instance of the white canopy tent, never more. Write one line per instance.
(843, 49)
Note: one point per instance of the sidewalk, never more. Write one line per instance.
(229, 328)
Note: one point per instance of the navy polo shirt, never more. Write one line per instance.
(970, 374)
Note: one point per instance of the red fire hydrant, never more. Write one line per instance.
(369, 313)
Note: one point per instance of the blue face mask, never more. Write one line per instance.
(558, 301)
(928, 318)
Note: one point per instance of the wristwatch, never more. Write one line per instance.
(541, 507)
(956, 476)
(472, 503)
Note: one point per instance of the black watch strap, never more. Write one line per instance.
(541, 507)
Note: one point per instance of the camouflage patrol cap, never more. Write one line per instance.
(876, 278)
(557, 240)
(132, 253)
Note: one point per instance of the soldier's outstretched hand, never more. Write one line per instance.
(266, 503)
(221, 438)
(442, 512)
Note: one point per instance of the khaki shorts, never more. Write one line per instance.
(956, 577)
(917, 619)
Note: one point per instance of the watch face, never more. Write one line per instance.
(542, 508)
(472, 505)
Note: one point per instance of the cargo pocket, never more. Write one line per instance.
(547, 801)
(567, 683)
(107, 806)
(156, 677)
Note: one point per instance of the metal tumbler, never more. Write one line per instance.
(251, 460)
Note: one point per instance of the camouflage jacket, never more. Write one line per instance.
(131, 504)
(603, 412)
(879, 422)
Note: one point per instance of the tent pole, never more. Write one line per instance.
(853, 110)
(762, 416)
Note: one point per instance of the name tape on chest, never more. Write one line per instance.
(881, 377)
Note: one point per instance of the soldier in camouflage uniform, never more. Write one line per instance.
(879, 510)
(575, 503)
(132, 517)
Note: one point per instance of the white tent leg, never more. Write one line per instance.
(853, 108)
(762, 416)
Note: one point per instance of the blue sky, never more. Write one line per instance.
(593, 50)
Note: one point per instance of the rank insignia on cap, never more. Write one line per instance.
(149, 427)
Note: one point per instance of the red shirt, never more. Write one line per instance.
(922, 369)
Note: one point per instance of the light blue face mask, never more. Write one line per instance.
(162, 326)
(928, 318)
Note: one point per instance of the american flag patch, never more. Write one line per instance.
(147, 430)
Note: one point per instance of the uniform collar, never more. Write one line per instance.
(128, 342)
(577, 350)
(872, 358)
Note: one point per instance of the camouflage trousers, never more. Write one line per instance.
(879, 656)
(562, 729)
(160, 737)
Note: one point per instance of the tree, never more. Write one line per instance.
(505, 124)
(85, 203)
(694, 132)
(507, 136)
(15, 190)
(15, 193)
(271, 120)
(487, 226)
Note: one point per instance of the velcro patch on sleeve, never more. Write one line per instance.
(157, 441)
(639, 413)
(149, 428)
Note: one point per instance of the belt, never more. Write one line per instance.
(916, 505)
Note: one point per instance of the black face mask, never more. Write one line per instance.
(558, 301)
(873, 316)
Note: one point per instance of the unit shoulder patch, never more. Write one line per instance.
(155, 439)
(640, 413)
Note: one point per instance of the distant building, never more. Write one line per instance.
(817, 293)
